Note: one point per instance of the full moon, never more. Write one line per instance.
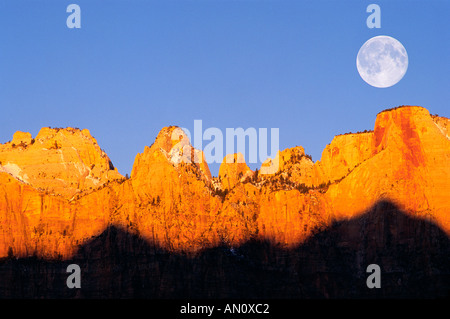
(382, 61)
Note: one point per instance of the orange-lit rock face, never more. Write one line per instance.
(34, 223)
(171, 184)
(443, 124)
(409, 165)
(171, 198)
(59, 161)
(343, 154)
(234, 170)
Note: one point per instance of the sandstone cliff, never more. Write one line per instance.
(408, 165)
(172, 200)
(234, 170)
(58, 161)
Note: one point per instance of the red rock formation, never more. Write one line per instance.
(409, 165)
(234, 170)
(59, 161)
(172, 200)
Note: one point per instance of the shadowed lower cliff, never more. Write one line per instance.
(413, 254)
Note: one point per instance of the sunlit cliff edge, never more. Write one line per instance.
(60, 189)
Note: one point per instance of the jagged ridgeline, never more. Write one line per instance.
(292, 228)
(60, 188)
(59, 192)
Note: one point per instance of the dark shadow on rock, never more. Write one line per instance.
(413, 255)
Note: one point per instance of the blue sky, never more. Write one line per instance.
(137, 66)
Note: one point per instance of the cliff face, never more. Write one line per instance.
(409, 165)
(171, 183)
(60, 189)
(234, 170)
(341, 156)
(58, 161)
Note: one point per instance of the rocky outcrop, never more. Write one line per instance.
(171, 182)
(443, 124)
(342, 155)
(409, 165)
(58, 161)
(234, 170)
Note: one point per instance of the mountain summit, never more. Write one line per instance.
(58, 161)
(60, 189)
